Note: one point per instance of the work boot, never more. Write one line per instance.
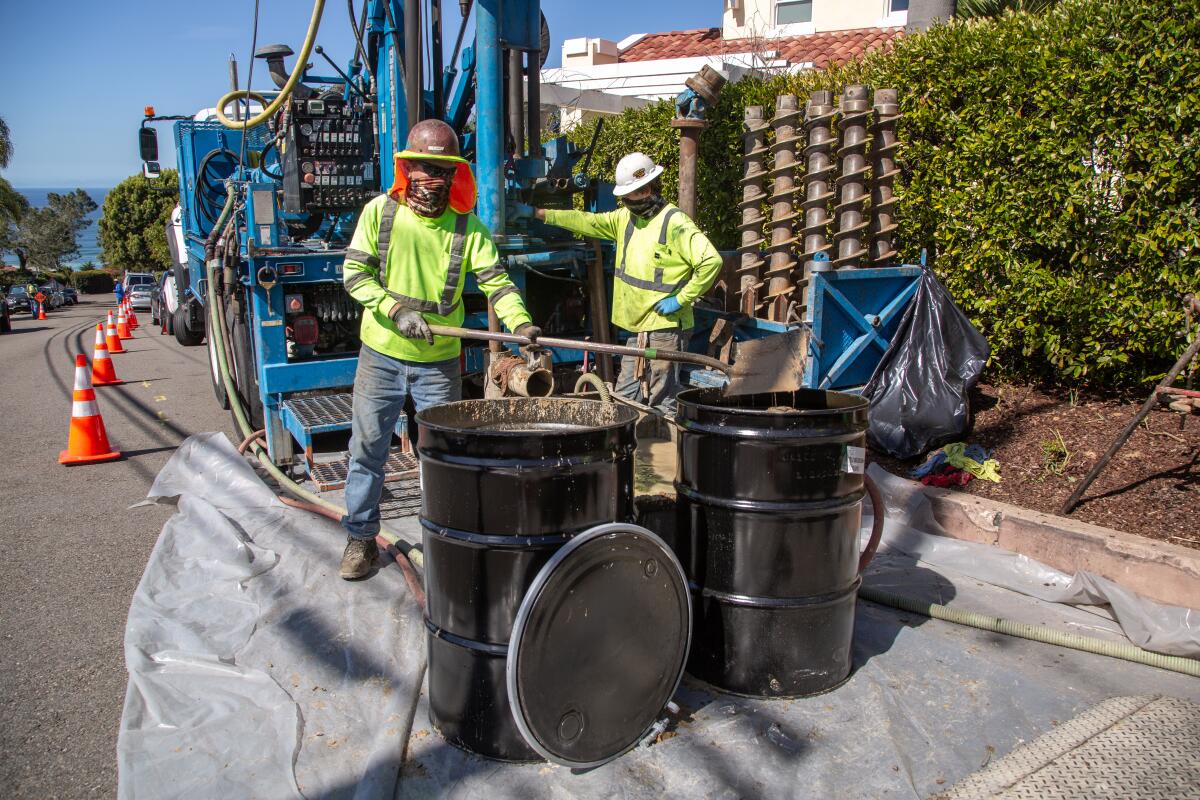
(360, 556)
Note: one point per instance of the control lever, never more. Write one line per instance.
(267, 278)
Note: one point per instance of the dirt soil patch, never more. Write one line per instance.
(1047, 443)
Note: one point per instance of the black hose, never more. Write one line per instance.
(361, 50)
(262, 160)
(202, 182)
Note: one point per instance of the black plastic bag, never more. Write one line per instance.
(919, 390)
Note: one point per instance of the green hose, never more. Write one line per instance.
(593, 380)
(1035, 633)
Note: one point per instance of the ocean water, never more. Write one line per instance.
(89, 248)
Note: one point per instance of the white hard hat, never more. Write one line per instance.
(633, 172)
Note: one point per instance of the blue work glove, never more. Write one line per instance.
(519, 211)
(667, 306)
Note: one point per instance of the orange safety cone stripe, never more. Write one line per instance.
(103, 371)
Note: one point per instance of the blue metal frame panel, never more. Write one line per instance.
(853, 315)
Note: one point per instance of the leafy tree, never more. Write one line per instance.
(46, 237)
(133, 226)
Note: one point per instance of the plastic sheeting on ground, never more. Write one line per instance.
(256, 672)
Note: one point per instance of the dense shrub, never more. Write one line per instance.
(1051, 165)
(93, 281)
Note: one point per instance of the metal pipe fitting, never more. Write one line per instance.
(852, 194)
(516, 377)
(884, 172)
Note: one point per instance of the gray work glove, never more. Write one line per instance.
(529, 331)
(411, 324)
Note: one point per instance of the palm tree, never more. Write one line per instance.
(12, 203)
(923, 13)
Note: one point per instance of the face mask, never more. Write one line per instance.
(429, 195)
(644, 207)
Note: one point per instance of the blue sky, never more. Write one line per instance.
(79, 72)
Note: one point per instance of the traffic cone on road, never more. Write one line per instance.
(87, 441)
(132, 317)
(103, 372)
(123, 325)
(41, 311)
(162, 317)
(111, 338)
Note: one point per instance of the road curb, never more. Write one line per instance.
(1161, 571)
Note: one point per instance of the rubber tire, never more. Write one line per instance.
(246, 377)
(213, 371)
(182, 334)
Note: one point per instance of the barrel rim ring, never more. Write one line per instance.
(688, 402)
(526, 608)
(423, 421)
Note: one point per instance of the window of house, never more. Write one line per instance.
(895, 6)
(789, 11)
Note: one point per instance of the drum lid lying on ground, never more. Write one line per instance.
(599, 645)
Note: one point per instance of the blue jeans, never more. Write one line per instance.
(381, 385)
(664, 375)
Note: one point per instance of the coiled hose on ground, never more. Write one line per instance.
(412, 553)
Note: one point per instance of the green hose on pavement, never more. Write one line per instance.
(1035, 633)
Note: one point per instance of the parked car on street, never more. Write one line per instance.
(17, 299)
(139, 295)
(133, 279)
(54, 296)
(71, 295)
(163, 300)
(5, 318)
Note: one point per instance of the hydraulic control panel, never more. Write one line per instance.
(321, 320)
(329, 156)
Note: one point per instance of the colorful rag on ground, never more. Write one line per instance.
(956, 464)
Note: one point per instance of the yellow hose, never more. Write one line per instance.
(238, 94)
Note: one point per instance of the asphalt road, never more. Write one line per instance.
(73, 550)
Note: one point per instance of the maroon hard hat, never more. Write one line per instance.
(434, 140)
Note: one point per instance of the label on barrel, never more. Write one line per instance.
(856, 460)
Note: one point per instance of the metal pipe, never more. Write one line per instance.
(689, 147)
(233, 86)
(884, 172)
(818, 120)
(533, 110)
(435, 45)
(783, 239)
(598, 300)
(516, 101)
(852, 181)
(412, 61)
(489, 118)
(753, 194)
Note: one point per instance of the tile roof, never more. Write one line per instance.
(822, 49)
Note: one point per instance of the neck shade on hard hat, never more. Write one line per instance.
(462, 185)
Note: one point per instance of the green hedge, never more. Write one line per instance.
(94, 281)
(1050, 165)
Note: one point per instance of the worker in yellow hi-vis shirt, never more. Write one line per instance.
(664, 263)
(406, 266)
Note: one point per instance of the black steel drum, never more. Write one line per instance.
(770, 502)
(505, 485)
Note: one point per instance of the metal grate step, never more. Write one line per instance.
(331, 475)
(322, 413)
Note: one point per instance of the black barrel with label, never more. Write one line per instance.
(770, 494)
(506, 486)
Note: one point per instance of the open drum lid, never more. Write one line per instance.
(599, 645)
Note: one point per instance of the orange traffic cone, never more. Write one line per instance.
(132, 317)
(162, 317)
(111, 338)
(123, 325)
(87, 442)
(103, 372)
(41, 311)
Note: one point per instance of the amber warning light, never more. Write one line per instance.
(149, 111)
